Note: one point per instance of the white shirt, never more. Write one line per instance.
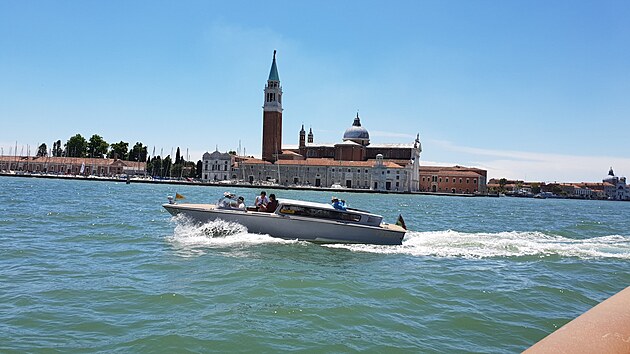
(260, 201)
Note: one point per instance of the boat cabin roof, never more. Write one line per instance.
(331, 212)
(306, 204)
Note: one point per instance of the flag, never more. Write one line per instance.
(401, 222)
(179, 196)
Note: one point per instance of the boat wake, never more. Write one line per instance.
(503, 244)
(193, 238)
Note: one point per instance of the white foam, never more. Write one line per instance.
(503, 244)
(193, 239)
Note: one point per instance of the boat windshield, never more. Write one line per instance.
(319, 213)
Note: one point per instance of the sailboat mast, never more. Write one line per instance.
(277, 164)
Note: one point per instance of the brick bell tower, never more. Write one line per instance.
(272, 116)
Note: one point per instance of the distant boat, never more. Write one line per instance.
(301, 220)
(545, 195)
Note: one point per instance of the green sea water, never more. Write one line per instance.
(89, 266)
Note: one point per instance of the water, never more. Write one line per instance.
(88, 266)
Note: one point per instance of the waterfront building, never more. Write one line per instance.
(456, 179)
(217, 166)
(322, 172)
(584, 192)
(71, 165)
(616, 187)
(353, 162)
(350, 163)
(611, 188)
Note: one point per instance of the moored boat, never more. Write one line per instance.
(302, 220)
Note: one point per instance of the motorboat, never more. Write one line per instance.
(301, 220)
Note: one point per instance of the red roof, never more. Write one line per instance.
(254, 161)
(332, 162)
(70, 160)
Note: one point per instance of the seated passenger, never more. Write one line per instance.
(241, 203)
(228, 200)
(261, 201)
(272, 205)
(338, 204)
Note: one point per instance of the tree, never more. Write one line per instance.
(166, 166)
(154, 166)
(176, 170)
(76, 146)
(119, 150)
(138, 153)
(232, 152)
(56, 150)
(192, 167)
(199, 166)
(178, 158)
(42, 150)
(97, 147)
(502, 183)
(536, 188)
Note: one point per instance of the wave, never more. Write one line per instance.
(451, 243)
(192, 238)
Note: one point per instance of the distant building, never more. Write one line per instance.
(611, 188)
(456, 179)
(352, 163)
(616, 187)
(217, 166)
(71, 165)
(375, 174)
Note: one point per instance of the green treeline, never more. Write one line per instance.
(97, 147)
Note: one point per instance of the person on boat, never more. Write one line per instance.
(261, 201)
(241, 203)
(228, 200)
(338, 204)
(272, 205)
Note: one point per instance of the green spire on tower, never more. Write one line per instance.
(273, 74)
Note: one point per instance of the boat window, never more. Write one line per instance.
(319, 213)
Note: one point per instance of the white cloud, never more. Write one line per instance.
(383, 134)
(534, 166)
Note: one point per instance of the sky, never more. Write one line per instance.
(533, 90)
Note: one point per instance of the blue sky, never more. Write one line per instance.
(536, 90)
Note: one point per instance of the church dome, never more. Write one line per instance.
(610, 178)
(357, 133)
